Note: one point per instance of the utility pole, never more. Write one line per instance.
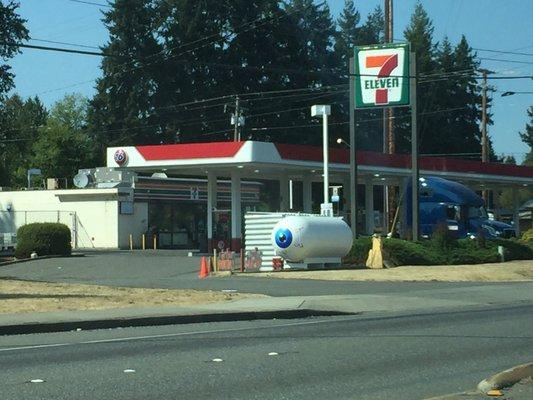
(353, 153)
(413, 82)
(484, 141)
(236, 119)
(484, 138)
(389, 145)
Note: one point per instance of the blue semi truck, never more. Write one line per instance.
(459, 207)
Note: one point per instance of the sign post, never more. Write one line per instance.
(414, 148)
(383, 76)
(353, 153)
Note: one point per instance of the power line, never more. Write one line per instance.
(504, 60)
(187, 44)
(504, 52)
(249, 67)
(91, 3)
(65, 43)
(58, 49)
(358, 121)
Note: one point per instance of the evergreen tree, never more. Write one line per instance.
(122, 110)
(347, 36)
(373, 30)
(369, 122)
(192, 36)
(313, 52)
(466, 121)
(12, 31)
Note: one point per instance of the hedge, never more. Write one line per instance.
(44, 239)
(398, 252)
(528, 236)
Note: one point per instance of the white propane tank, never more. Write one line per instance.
(298, 238)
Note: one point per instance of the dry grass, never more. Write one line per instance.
(22, 296)
(513, 271)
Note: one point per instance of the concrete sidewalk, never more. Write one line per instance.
(265, 308)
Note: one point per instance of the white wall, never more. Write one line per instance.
(134, 224)
(95, 212)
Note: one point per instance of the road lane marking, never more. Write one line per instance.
(168, 335)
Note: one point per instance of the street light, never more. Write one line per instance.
(326, 208)
(342, 141)
(505, 94)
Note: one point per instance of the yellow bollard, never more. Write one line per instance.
(144, 241)
(155, 242)
(215, 263)
(131, 241)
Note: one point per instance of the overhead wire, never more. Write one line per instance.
(91, 3)
(64, 43)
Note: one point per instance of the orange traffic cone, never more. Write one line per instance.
(204, 269)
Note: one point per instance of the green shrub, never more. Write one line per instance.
(401, 252)
(442, 238)
(398, 252)
(468, 251)
(43, 238)
(514, 250)
(528, 236)
(359, 251)
(395, 251)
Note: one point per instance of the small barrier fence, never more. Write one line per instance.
(242, 261)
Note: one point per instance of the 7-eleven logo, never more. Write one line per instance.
(386, 65)
(380, 76)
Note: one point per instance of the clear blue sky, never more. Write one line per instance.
(487, 24)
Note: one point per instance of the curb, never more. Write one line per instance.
(506, 378)
(21, 260)
(48, 327)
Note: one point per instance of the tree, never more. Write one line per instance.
(63, 144)
(527, 135)
(20, 120)
(12, 31)
(369, 122)
(419, 33)
(122, 111)
(347, 36)
(452, 122)
(373, 30)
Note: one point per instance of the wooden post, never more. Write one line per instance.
(144, 242)
(215, 263)
(242, 259)
(131, 241)
(155, 242)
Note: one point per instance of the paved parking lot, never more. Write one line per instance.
(171, 269)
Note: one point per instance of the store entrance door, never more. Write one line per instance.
(178, 225)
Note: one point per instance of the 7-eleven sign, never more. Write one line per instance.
(382, 76)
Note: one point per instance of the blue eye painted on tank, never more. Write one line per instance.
(283, 238)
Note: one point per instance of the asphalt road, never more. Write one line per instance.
(166, 269)
(360, 357)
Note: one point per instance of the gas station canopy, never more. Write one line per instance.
(267, 160)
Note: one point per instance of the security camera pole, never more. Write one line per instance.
(326, 208)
